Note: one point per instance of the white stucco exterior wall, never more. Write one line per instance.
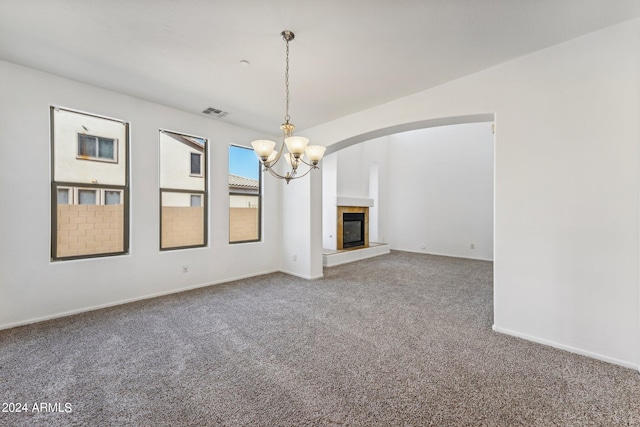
(175, 164)
(67, 164)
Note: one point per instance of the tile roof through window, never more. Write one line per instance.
(236, 181)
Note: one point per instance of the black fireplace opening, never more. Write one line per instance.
(352, 230)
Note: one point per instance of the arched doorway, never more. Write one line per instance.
(431, 227)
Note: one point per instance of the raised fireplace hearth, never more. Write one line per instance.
(353, 227)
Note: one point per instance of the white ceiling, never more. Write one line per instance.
(348, 55)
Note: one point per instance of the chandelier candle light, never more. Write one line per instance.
(297, 146)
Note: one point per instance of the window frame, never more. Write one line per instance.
(55, 185)
(235, 193)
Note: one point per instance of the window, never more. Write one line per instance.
(245, 195)
(183, 191)
(63, 196)
(89, 199)
(196, 164)
(112, 197)
(96, 148)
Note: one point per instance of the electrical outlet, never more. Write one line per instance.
(185, 268)
(295, 257)
(473, 246)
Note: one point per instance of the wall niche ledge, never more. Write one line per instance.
(354, 201)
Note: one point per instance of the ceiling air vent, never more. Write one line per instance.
(215, 112)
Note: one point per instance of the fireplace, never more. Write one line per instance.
(352, 230)
(353, 227)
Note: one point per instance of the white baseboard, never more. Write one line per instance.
(126, 301)
(567, 348)
(439, 254)
(290, 273)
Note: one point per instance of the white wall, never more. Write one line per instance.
(329, 168)
(301, 217)
(566, 269)
(441, 191)
(374, 194)
(353, 181)
(31, 286)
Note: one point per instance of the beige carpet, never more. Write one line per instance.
(401, 339)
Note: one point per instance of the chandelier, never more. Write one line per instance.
(297, 146)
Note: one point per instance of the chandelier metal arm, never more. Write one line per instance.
(280, 151)
(311, 165)
(276, 174)
(289, 176)
(296, 176)
(293, 174)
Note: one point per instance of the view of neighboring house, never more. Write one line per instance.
(182, 167)
(88, 150)
(89, 179)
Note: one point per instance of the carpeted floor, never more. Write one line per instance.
(401, 339)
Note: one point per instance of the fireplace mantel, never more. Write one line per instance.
(354, 201)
